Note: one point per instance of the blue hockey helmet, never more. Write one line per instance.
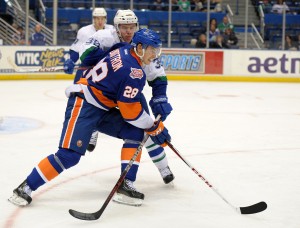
(146, 37)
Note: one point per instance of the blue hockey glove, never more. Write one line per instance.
(159, 134)
(160, 105)
(69, 66)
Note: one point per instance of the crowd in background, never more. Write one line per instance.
(221, 35)
(278, 6)
(187, 5)
(35, 39)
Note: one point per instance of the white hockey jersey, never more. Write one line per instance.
(106, 38)
(84, 34)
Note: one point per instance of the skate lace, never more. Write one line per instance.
(165, 172)
(129, 184)
(26, 189)
(94, 138)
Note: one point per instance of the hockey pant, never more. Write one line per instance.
(156, 152)
(81, 118)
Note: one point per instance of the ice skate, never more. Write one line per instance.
(167, 175)
(21, 195)
(93, 141)
(127, 194)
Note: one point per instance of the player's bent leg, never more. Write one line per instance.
(159, 158)
(127, 193)
(157, 153)
(47, 169)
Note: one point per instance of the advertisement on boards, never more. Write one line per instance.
(262, 63)
(187, 62)
(31, 62)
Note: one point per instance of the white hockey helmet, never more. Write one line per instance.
(125, 17)
(99, 12)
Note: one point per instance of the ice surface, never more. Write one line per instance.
(243, 137)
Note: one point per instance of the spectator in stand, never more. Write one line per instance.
(266, 6)
(219, 43)
(213, 21)
(19, 38)
(175, 6)
(289, 44)
(38, 38)
(218, 6)
(158, 5)
(298, 42)
(201, 42)
(225, 24)
(230, 38)
(279, 6)
(197, 5)
(213, 32)
(184, 5)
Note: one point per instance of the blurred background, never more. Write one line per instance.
(253, 24)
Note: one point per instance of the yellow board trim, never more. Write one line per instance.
(232, 78)
(40, 76)
(49, 76)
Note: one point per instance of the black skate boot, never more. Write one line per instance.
(21, 195)
(93, 141)
(167, 175)
(127, 194)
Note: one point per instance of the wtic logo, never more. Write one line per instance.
(136, 73)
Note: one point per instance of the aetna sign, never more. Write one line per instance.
(272, 65)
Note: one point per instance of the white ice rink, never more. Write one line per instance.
(243, 137)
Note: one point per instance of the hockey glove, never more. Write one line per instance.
(159, 134)
(160, 105)
(69, 66)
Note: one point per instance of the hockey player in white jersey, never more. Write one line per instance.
(84, 33)
(126, 24)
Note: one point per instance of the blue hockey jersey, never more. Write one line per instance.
(117, 80)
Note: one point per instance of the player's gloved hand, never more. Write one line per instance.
(69, 66)
(160, 105)
(158, 133)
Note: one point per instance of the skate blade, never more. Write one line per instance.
(171, 184)
(126, 200)
(18, 201)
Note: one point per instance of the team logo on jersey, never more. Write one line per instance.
(136, 73)
(79, 143)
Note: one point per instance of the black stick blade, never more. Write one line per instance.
(84, 216)
(255, 208)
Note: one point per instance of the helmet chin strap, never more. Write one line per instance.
(141, 56)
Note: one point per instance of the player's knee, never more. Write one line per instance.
(68, 158)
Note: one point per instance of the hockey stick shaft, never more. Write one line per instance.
(258, 207)
(96, 215)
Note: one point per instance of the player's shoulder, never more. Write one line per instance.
(110, 27)
(86, 29)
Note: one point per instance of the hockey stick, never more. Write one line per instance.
(96, 215)
(252, 209)
(42, 69)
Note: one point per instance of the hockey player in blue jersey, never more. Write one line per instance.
(115, 83)
(125, 24)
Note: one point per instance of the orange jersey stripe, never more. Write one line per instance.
(136, 57)
(127, 153)
(82, 81)
(103, 99)
(47, 169)
(130, 111)
(75, 113)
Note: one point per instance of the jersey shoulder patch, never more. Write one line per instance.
(136, 73)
